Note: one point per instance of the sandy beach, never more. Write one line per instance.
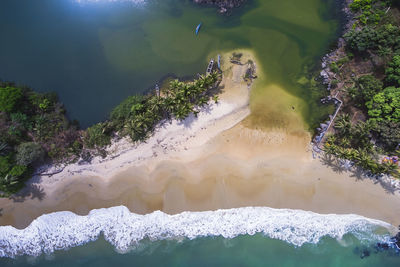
(222, 159)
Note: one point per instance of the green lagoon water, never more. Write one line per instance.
(96, 54)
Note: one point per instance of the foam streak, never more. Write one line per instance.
(123, 229)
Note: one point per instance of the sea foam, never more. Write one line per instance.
(123, 229)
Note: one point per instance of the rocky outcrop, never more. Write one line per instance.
(223, 5)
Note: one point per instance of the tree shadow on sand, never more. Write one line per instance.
(359, 174)
(31, 191)
(333, 163)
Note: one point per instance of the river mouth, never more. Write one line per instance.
(96, 54)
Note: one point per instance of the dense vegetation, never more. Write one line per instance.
(35, 130)
(370, 78)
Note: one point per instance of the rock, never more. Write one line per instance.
(365, 253)
(224, 5)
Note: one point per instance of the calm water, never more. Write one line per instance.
(94, 55)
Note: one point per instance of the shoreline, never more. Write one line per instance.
(328, 77)
(169, 138)
(229, 164)
(125, 230)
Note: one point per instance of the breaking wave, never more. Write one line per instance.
(123, 229)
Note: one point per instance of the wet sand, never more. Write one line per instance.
(245, 165)
(242, 172)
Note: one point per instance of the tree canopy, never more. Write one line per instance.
(393, 71)
(366, 87)
(385, 105)
(9, 97)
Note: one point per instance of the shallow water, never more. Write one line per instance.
(96, 54)
(256, 250)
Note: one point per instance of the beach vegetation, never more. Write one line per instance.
(9, 97)
(137, 116)
(374, 38)
(95, 137)
(365, 88)
(28, 153)
(334, 67)
(385, 106)
(368, 128)
(393, 71)
(34, 128)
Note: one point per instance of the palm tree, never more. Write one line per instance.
(3, 149)
(343, 124)
(9, 180)
(389, 167)
(331, 139)
(345, 142)
(365, 161)
(330, 149)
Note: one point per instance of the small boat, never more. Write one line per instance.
(198, 28)
(219, 62)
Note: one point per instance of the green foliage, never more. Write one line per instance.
(353, 141)
(144, 118)
(334, 67)
(386, 36)
(5, 165)
(28, 153)
(95, 137)
(350, 135)
(9, 97)
(138, 115)
(388, 134)
(358, 5)
(393, 71)
(369, 12)
(42, 103)
(344, 60)
(183, 97)
(18, 171)
(8, 182)
(22, 120)
(45, 104)
(32, 126)
(11, 175)
(123, 111)
(385, 105)
(343, 124)
(366, 87)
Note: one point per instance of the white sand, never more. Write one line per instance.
(171, 138)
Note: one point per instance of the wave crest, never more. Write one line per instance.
(123, 229)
